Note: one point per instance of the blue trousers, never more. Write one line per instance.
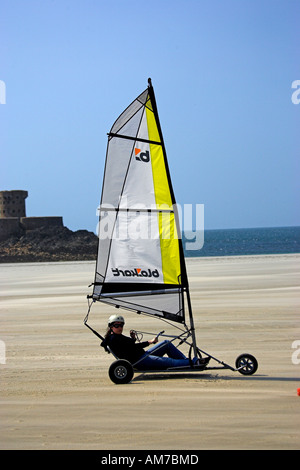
(154, 360)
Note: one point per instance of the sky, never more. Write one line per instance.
(222, 73)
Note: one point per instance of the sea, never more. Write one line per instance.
(243, 241)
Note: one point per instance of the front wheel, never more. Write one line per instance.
(246, 364)
(120, 372)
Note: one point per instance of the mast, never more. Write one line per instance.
(184, 281)
(184, 277)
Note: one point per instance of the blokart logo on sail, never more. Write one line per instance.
(136, 272)
(142, 156)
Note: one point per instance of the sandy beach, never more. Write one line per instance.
(55, 389)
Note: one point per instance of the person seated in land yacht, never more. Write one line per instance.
(161, 356)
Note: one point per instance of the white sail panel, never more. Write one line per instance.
(128, 116)
(162, 304)
(135, 254)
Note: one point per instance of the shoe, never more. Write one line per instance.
(203, 361)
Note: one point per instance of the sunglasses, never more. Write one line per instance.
(118, 325)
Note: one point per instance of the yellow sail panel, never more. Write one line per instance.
(169, 248)
(166, 220)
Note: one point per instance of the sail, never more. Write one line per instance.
(140, 263)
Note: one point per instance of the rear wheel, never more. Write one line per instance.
(120, 372)
(246, 364)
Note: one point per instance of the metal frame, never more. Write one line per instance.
(183, 338)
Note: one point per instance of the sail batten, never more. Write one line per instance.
(138, 139)
(140, 263)
(135, 209)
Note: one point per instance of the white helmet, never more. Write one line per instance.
(115, 318)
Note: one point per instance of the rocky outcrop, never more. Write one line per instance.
(49, 244)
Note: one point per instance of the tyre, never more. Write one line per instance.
(120, 372)
(246, 364)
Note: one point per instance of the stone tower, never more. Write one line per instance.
(12, 203)
(13, 220)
